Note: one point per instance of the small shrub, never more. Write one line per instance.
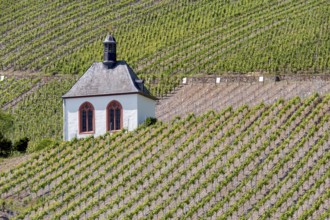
(5, 146)
(150, 121)
(44, 143)
(74, 140)
(21, 145)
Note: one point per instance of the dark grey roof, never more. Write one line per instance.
(99, 80)
(109, 38)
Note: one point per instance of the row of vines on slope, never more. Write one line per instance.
(266, 161)
(190, 37)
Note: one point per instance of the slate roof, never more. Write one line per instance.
(100, 80)
(109, 39)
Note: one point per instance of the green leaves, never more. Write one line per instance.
(243, 163)
(6, 122)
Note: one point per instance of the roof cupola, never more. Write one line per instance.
(109, 57)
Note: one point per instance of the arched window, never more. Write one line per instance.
(114, 116)
(86, 118)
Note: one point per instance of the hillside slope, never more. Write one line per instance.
(168, 37)
(39, 114)
(259, 162)
(36, 104)
(201, 94)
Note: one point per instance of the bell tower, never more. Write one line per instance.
(109, 57)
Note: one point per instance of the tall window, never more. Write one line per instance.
(86, 115)
(114, 116)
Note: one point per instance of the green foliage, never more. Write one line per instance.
(189, 38)
(5, 146)
(21, 145)
(150, 121)
(246, 163)
(165, 38)
(217, 165)
(11, 87)
(160, 85)
(39, 115)
(43, 144)
(6, 122)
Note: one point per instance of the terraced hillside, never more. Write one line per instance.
(162, 38)
(37, 113)
(36, 103)
(254, 162)
(12, 87)
(195, 96)
(198, 95)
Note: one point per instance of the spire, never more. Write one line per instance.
(109, 51)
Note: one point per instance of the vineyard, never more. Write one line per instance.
(12, 87)
(46, 102)
(226, 144)
(265, 161)
(199, 97)
(164, 38)
(29, 97)
(193, 97)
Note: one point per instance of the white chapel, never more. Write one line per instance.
(108, 97)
